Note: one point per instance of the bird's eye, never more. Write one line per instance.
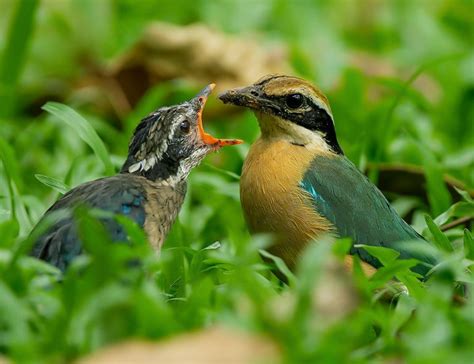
(294, 101)
(185, 127)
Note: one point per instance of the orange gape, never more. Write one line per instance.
(206, 137)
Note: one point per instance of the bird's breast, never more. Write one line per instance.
(272, 199)
(162, 208)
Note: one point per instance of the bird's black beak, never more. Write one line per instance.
(250, 96)
(206, 138)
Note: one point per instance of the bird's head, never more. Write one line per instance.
(171, 141)
(289, 108)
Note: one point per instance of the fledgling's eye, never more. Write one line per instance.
(294, 101)
(185, 127)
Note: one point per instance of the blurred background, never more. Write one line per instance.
(400, 79)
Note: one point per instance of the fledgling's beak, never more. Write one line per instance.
(208, 139)
(250, 96)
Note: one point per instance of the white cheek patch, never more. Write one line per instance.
(301, 135)
(278, 128)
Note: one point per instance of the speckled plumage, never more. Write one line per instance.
(152, 205)
(150, 188)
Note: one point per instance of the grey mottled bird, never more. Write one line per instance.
(150, 187)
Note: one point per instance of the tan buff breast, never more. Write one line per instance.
(272, 200)
(162, 208)
(274, 203)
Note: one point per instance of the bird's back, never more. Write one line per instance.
(151, 205)
(357, 208)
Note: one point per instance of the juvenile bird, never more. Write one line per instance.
(150, 187)
(297, 184)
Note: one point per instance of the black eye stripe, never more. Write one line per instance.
(312, 117)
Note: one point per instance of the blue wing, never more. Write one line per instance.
(119, 194)
(357, 209)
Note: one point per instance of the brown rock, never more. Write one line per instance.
(213, 345)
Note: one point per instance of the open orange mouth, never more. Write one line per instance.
(208, 139)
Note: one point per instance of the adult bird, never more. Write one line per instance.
(297, 184)
(150, 187)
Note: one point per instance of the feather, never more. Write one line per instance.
(357, 209)
(121, 194)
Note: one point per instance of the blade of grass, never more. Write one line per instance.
(282, 267)
(233, 175)
(53, 183)
(439, 238)
(19, 214)
(84, 130)
(438, 194)
(468, 245)
(389, 125)
(386, 255)
(14, 55)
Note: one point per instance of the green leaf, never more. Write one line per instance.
(14, 54)
(403, 311)
(438, 194)
(386, 273)
(341, 247)
(464, 194)
(233, 175)
(468, 245)
(214, 246)
(53, 183)
(134, 232)
(280, 264)
(459, 209)
(83, 129)
(313, 262)
(14, 319)
(8, 159)
(385, 255)
(441, 241)
(413, 283)
(94, 236)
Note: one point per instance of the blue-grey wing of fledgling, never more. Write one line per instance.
(132, 196)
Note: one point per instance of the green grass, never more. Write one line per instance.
(421, 114)
(15, 54)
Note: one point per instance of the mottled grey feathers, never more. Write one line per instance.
(121, 194)
(150, 140)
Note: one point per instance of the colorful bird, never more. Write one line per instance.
(150, 187)
(297, 184)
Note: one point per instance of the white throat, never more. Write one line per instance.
(274, 127)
